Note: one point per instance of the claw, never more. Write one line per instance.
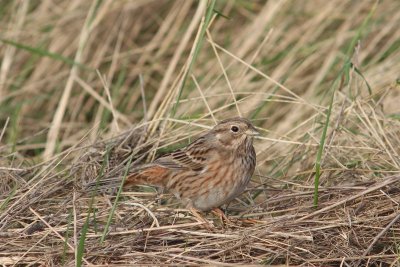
(221, 215)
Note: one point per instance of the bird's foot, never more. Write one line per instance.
(221, 215)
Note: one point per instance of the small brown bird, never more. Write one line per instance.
(209, 172)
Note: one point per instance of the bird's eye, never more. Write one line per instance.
(235, 129)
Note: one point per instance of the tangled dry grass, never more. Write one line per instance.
(276, 62)
(274, 223)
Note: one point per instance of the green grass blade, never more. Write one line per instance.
(361, 30)
(44, 53)
(199, 44)
(321, 149)
(7, 200)
(85, 228)
(346, 72)
(116, 200)
(81, 244)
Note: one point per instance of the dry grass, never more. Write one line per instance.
(84, 85)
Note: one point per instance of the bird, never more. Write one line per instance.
(209, 172)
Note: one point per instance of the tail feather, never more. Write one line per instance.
(147, 174)
(150, 174)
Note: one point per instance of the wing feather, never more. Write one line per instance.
(191, 158)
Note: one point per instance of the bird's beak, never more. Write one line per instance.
(252, 132)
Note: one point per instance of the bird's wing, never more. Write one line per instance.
(192, 157)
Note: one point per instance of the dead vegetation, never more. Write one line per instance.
(85, 85)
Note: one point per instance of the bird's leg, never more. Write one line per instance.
(221, 215)
(160, 194)
(200, 218)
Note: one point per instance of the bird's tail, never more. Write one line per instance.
(149, 174)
